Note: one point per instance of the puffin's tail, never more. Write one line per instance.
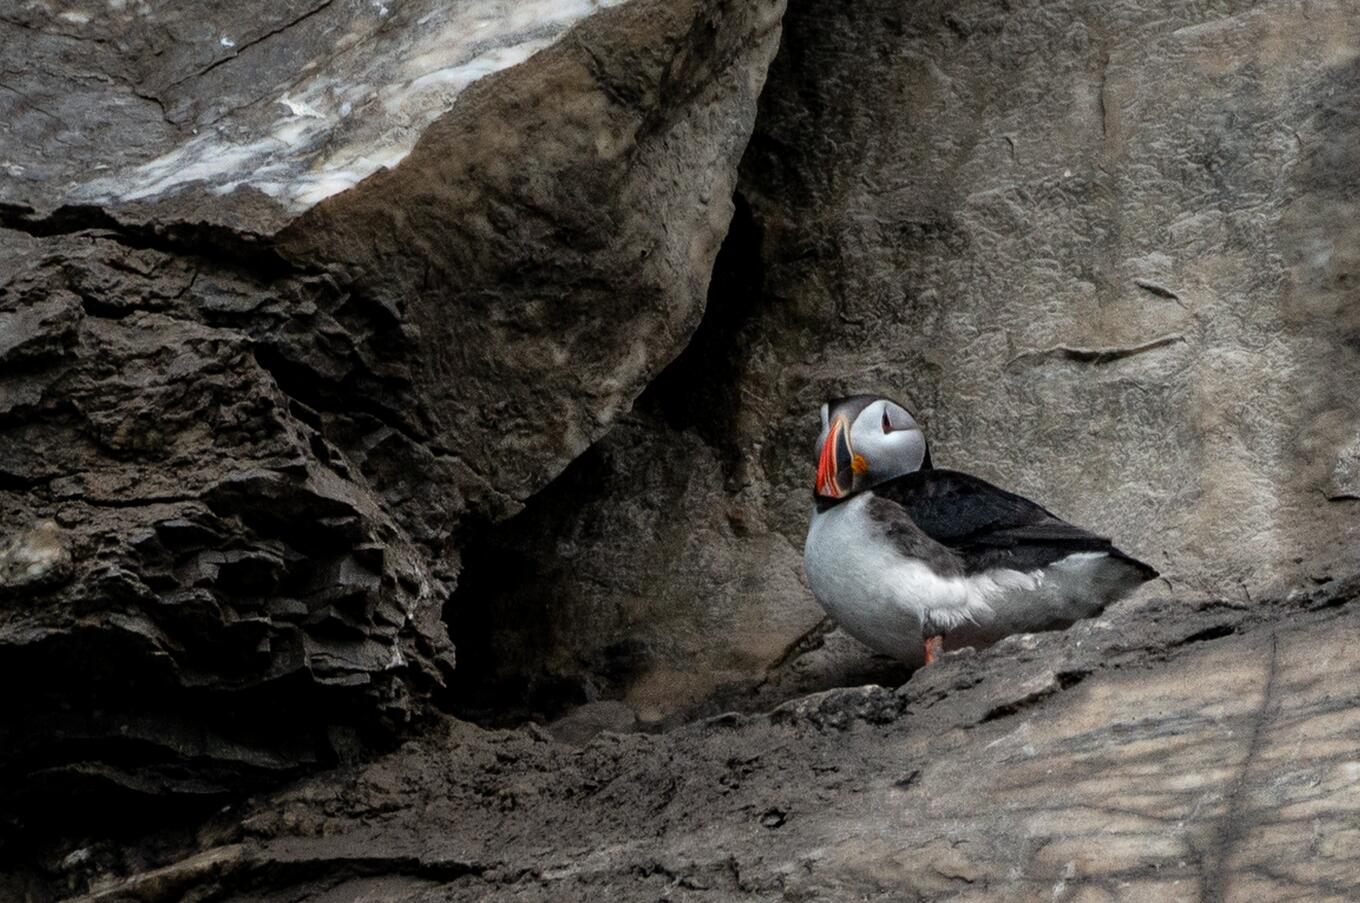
(1145, 571)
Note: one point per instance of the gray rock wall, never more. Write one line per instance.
(1107, 277)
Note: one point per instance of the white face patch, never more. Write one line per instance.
(890, 441)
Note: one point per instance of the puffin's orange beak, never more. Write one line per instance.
(835, 468)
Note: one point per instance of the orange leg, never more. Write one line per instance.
(934, 646)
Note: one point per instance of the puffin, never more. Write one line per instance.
(912, 560)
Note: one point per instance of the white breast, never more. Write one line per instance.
(882, 598)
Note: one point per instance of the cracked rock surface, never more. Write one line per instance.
(245, 113)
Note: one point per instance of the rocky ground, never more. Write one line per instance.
(405, 414)
(1167, 752)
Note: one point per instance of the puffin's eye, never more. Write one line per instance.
(887, 424)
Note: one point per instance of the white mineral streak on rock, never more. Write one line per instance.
(357, 111)
(36, 556)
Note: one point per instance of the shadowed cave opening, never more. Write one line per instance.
(516, 658)
(501, 619)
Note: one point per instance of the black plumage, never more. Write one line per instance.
(982, 525)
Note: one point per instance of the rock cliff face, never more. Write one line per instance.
(365, 363)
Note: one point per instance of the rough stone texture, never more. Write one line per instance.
(248, 112)
(1178, 752)
(236, 450)
(1106, 250)
(547, 295)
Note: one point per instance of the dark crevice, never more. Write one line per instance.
(334, 871)
(97, 307)
(1217, 631)
(249, 255)
(1063, 680)
(138, 502)
(504, 614)
(695, 393)
(1336, 594)
(500, 617)
(1097, 355)
(1156, 288)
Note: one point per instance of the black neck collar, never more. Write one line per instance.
(826, 503)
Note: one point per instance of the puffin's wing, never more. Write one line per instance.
(988, 527)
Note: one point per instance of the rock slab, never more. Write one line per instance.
(243, 434)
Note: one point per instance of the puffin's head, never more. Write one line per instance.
(865, 440)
